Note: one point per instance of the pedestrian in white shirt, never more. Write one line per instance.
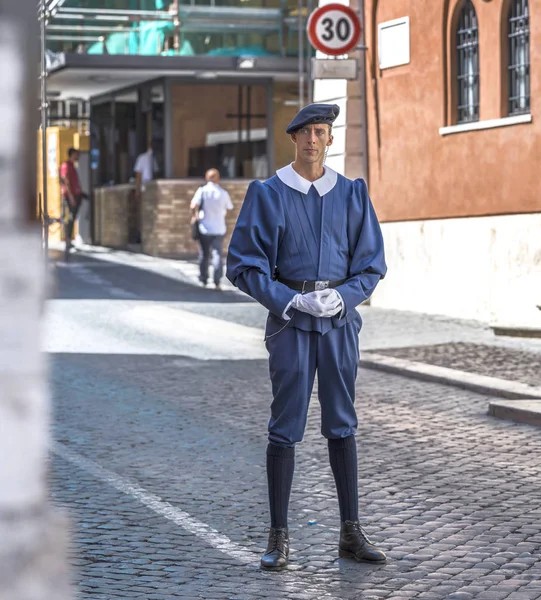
(209, 207)
(145, 167)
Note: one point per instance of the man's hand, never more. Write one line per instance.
(321, 303)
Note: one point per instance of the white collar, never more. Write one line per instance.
(323, 185)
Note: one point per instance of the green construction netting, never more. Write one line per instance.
(119, 4)
(150, 37)
(149, 40)
(240, 51)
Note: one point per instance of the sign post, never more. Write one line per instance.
(329, 68)
(334, 29)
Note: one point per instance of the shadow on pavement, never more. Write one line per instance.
(86, 278)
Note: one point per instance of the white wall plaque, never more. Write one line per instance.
(394, 43)
(340, 68)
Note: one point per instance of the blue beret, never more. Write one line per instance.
(314, 113)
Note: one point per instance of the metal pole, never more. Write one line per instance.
(301, 53)
(43, 108)
(362, 90)
(240, 103)
(67, 12)
(270, 127)
(310, 8)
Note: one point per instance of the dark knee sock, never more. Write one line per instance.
(280, 467)
(343, 459)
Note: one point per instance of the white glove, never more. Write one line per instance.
(321, 303)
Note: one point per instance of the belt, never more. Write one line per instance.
(311, 286)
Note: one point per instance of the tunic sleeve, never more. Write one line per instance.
(253, 249)
(366, 247)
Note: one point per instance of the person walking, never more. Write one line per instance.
(72, 194)
(209, 207)
(308, 246)
(145, 168)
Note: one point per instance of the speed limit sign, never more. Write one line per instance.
(334, 29)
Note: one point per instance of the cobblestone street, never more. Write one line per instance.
(161, 399)
(507, 363)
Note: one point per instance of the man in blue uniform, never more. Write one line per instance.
(308, 246)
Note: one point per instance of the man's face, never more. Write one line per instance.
(75, 157)
(311, 142)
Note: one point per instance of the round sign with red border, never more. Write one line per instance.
(334, 29)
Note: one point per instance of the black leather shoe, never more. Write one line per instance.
(355, 544)
(277, 554)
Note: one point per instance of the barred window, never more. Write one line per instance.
(519, 57)
(467, 48)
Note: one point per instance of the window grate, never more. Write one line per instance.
(467, 48)
(518, 32)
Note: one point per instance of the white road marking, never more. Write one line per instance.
(165, 509)
(287, 582)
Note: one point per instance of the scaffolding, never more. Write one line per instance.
(174, 27)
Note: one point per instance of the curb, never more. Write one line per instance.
(525, 411)
(521, 332)
(482, 384)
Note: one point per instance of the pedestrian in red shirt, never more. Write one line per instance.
(72, 194)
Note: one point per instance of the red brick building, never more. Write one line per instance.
(454, 147)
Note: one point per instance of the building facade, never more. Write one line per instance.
(211, 83)
(204, 82)
(453, 92)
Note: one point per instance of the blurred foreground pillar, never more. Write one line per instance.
(32, 537)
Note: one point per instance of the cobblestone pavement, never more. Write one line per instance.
(506, 363)
(160, 463)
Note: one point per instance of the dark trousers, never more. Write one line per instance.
(71, 213)
(211, 244)
(295, 356)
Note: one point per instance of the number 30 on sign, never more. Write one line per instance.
(334, 29)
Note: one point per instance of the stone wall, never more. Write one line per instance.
(486, 268)
(115, 216)
(166, 215)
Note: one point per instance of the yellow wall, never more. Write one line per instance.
(59, 140)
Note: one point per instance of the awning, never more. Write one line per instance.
(84, 76)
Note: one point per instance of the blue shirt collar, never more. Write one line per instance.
(323, 185)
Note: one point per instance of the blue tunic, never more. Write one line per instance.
(306, 237)
(309, 236)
